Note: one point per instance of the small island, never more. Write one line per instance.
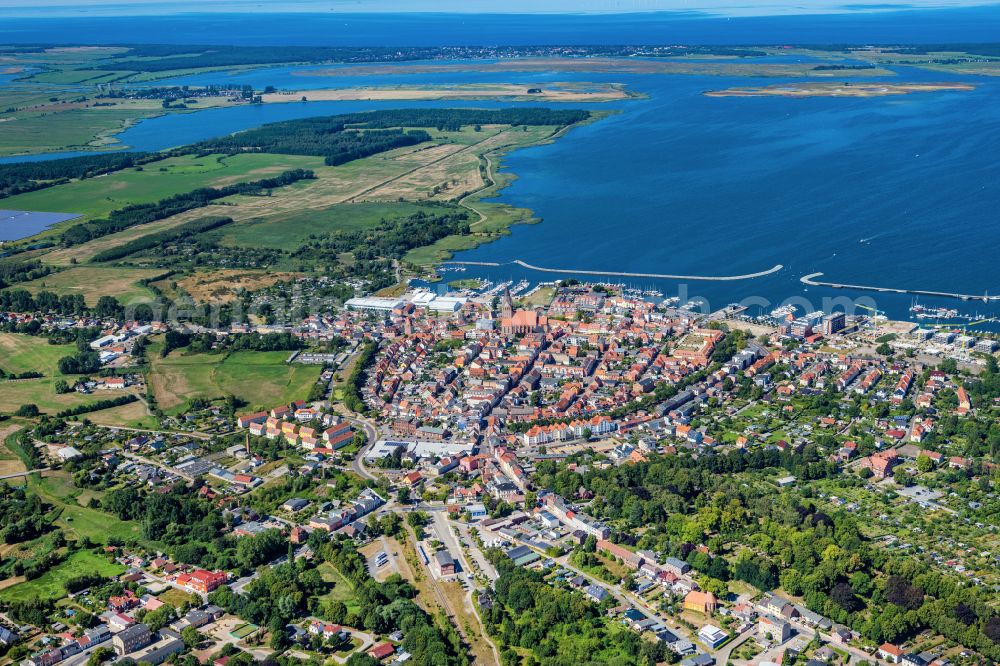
(554, 92)
(845, 89)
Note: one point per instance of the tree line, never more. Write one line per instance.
(390, 238)
(20, 177)
(12, 272)
(150, 241)
(137, 214)
(347, 137)
(332, 141)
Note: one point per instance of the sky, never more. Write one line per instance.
(40, 8)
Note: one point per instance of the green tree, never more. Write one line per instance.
(191, 637)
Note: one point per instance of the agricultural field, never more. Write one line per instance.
(262, 379)
(95, 197)
(96, 281)
(51, 585)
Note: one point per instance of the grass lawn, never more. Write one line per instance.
(79, 521)
(132, 415)
(51, 584)
(95, 197)
(96, 281)
(20, 353)
(288, 232)
(176, 598)
(10, 462)
(262, 379)
(342, 589)
(542, 297)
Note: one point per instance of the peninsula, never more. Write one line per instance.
(846, 89)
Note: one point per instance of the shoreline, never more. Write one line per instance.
(553, 92)
(495, 181)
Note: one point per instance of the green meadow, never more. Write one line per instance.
(51, 584)
(262, 379)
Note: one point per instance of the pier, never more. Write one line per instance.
(813, 282)
(656, 276)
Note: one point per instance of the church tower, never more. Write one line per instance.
(506, 305)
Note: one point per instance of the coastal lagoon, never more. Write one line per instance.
(895, 192)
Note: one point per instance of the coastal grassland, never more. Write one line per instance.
(494, 219)
(262, 379)
(445, 169)
(51, 584)
(455, 171)
(96, 281)
(64, 256)
(22, 353)
(95, 197)
(72, 76)
(980, 60)
(32, 132)
(548, 92)
(288, 232)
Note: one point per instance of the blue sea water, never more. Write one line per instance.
(968, 25)
(896, 191)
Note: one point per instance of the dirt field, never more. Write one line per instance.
(223, 286)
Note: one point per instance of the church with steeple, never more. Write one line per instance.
(520, 322)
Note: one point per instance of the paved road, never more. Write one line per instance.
(371, 432)
(196, 435)
(722, 656)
